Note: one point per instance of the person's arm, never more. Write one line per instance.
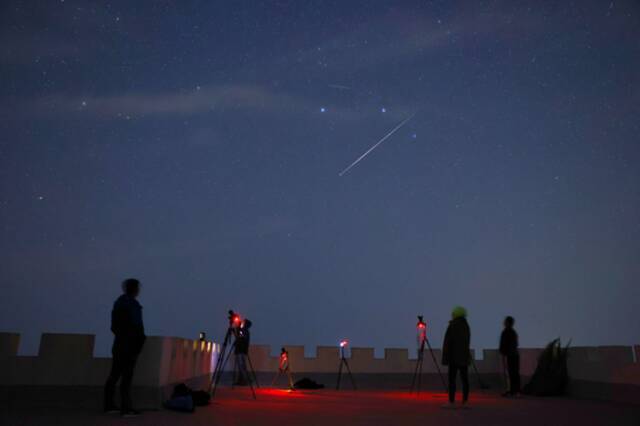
(445, 347)
(467, 331)
(137, 325)
(114, 320)
(503, 343)
(118, 320)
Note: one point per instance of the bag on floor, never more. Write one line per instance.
(181, 399)
(180, 403)
(200, 397)
(307, 383)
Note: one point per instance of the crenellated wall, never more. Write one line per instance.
(67, 360)
(608, 364)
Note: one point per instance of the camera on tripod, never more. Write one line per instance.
(343, 362)
(234, 319)
(421, 340)
(421, 328)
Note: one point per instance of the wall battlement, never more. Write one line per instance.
(67, 360)
(611, 364)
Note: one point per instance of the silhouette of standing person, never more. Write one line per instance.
(456, 353)
(128, 329)
(243, 341)
(509, 352)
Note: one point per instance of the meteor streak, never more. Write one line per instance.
(402, 123)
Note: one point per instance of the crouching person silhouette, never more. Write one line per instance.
(456, 353)
(128, 329)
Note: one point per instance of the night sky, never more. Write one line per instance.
(197, 146)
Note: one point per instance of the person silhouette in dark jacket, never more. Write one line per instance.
(509, 352)
(456, 353)
(128, 329)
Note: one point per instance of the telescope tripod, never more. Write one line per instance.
(242, 373)
(282, 372)
(217, 371)
(482, 384)
(418, 371)
(343, 362)
(221, 363)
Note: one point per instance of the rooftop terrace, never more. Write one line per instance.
(370, 407)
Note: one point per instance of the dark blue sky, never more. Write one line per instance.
(196, 145)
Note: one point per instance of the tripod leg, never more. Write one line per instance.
(236, 377)
(224, 364)
(415, 373)
(216, 369)
(444, 383)
(353, 382)
(275, 378)
(339, 375)
(480, 382)
(247, 378)
(290, 378)
(219, 362)
(420, 375)
(253, 372)
(253, 391)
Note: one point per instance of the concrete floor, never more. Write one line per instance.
(330, 407)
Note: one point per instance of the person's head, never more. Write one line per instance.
(131, 287)
(509, 321)
(420, 318)
(246, 324)
(458, 312)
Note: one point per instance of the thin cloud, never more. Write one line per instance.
(200, 100)
(197, 100)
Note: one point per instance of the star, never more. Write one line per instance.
(323, 109)
(383, 109)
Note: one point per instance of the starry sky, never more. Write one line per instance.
(197, 146)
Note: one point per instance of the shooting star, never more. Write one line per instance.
(339, 86)
(402, 123)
